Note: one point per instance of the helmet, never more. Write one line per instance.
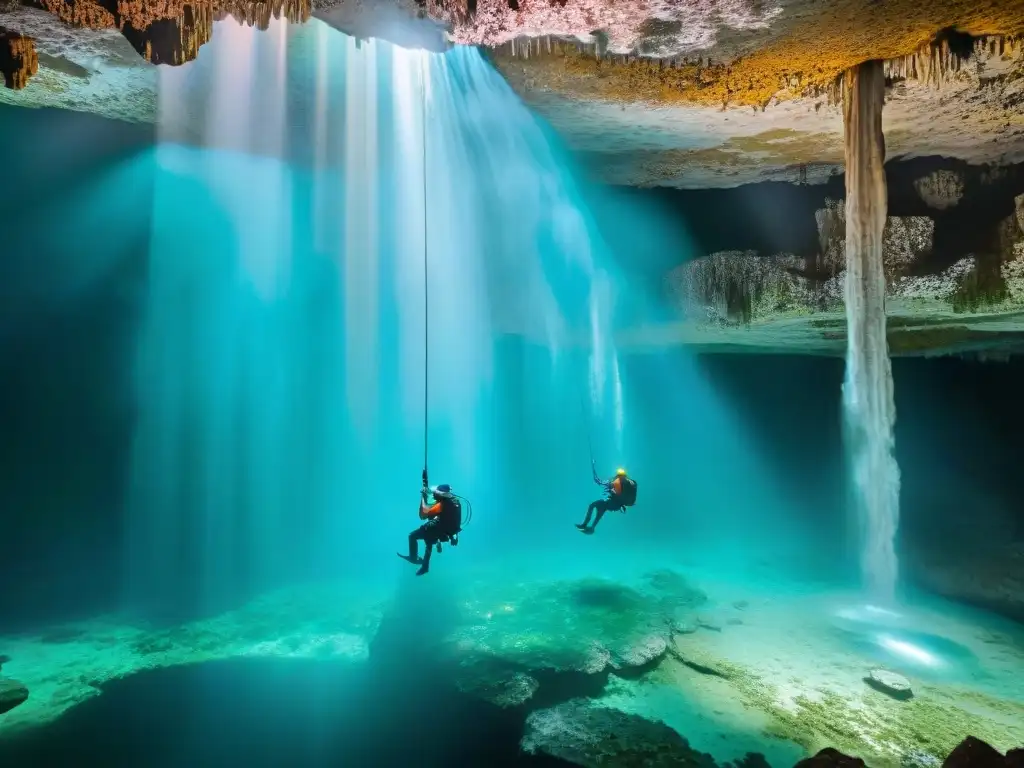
(443, 491)
(620, 472)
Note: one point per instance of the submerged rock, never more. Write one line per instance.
(974, 753)
(890, 683)
(12, 693)
(830, 758)
(589, 735)
(514, 635)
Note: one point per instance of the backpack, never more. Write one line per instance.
(451, 517)
(628, 491)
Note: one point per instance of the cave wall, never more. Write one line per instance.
(75, 235)
(953, 244)
(777, 217)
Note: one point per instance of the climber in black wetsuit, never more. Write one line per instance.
(621, 493)
(443, 524)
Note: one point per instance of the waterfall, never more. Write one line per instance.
(279, 370)
(868, 404)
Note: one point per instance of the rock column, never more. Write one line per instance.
(868, 404)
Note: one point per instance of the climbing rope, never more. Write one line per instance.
(426, 313)
(590, 439)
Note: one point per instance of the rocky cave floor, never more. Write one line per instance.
(671, 665)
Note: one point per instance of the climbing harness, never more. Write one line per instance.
(426, 313)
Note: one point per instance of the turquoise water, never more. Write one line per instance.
(267, 255)
(279, 372)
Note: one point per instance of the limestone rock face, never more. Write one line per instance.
(906, 240)
(737, 287)
(940, 190)
(740, 287)
(12, 694)
(18, 59)
(745, 300)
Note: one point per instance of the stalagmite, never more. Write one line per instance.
(868, 404)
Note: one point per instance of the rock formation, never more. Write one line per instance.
(505, 658)
(941, 189)
(172, 32)
(585, 734)
(830, 758)
(795, 302)
(890, 684)
(18, 59)
(12, 694)
(740, 287)
(975, 753)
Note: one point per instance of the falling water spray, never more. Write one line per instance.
(869, 409)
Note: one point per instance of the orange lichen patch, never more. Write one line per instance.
(802, 52)
(18, 59)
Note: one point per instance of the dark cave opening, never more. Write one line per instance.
(778, 217)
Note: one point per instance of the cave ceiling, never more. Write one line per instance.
(679, 93)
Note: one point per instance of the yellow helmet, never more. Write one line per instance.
(620, 472)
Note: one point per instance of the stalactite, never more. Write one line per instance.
(18, 59)
(941, 60)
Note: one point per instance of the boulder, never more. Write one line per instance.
(12, 693)
(890, 684)
(974, 753)
(830, 758)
